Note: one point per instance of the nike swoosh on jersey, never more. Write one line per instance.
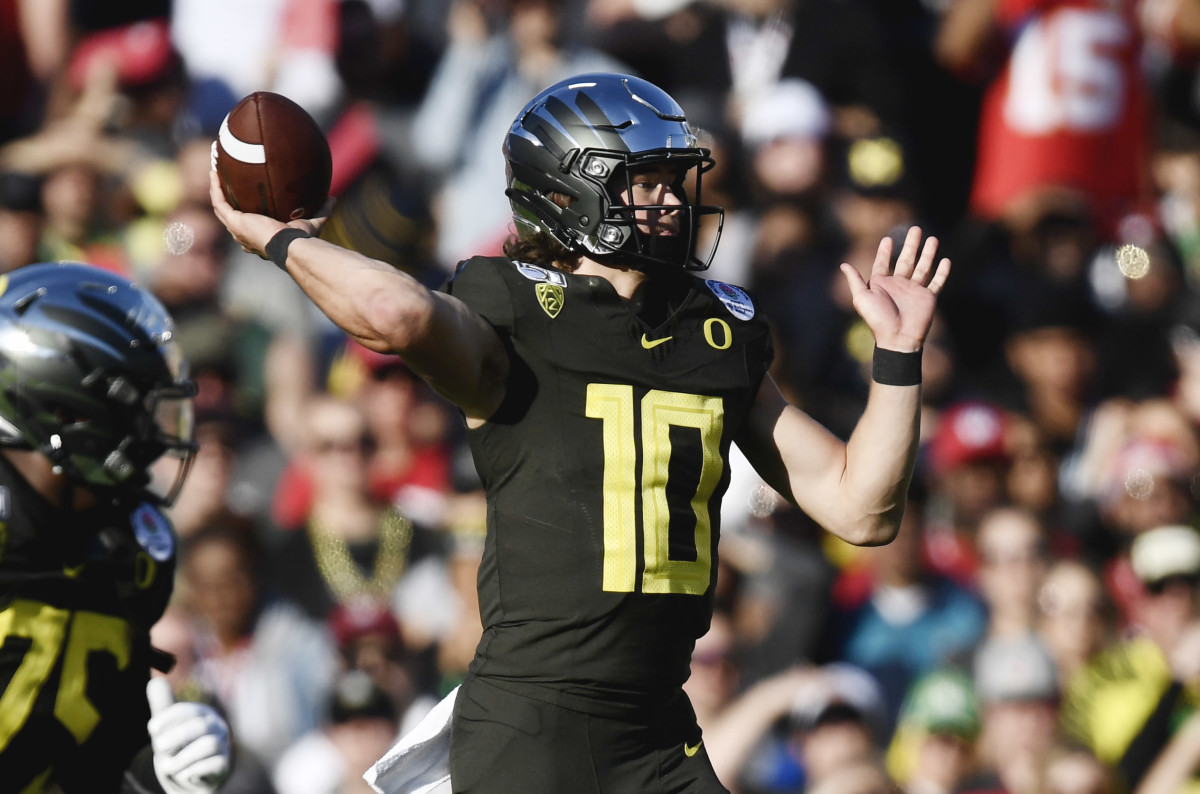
(649, 343)
(690, 751)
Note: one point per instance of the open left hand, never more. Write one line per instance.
(897, 304)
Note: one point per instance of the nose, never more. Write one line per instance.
(670, 198)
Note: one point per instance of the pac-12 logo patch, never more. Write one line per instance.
(551, 297)
(735, 298)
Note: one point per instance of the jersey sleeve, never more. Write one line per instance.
(478, 283)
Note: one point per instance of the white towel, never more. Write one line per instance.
(420, 762)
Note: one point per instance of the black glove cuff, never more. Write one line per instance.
(892, 368)
(277, 248)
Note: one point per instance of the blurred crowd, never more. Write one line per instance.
(1035, 628)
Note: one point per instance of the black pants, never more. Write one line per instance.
(504, 743)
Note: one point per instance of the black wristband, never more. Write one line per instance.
(277, 248)
(893, 368)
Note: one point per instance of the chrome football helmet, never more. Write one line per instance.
(584, 138)
(92, 377)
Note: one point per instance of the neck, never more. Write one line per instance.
(625, 280)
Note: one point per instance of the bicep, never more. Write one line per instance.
(461, 356)
(791, 451)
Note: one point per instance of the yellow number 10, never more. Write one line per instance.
(613, 404)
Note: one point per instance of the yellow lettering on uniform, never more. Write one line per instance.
(726, 333)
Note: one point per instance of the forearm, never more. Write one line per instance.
(854, 490)
(388, 311)
(880, 456)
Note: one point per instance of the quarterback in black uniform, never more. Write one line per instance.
(92, 393)
(603, 384)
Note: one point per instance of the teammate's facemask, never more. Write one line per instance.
(92, 377)
(585, 138)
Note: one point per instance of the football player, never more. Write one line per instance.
(93, 393)
(603, 385)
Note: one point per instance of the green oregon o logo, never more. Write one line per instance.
(726, 333)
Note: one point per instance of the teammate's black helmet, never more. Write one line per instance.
(91, 376)
(580, 138)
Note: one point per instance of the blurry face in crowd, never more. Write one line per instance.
(1071, 605)
(222, 588)
(1012, 560)
(974, 488)
(1056, 360)
(1077, 773)
(835, 745)
(790, 166)
(69, 197)
(1032, 480)
(337, 446)
(1167, 606)
(943, 759)
(1149, 501)
(1018, 731)
(195, 259)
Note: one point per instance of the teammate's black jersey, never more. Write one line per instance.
(78, 593)
(604, 470)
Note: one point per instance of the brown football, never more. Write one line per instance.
(272, 158)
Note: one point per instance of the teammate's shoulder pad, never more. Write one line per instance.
(736, 300)
(153, 531)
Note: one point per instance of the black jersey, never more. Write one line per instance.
(78, 593)
(604, 470)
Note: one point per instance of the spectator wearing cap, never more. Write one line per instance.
(1128, 701)
(967, 461)
(784, 129)
(1016, 681)
(362, 725)
(797, 729)
(368, 638)
(933, 747)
